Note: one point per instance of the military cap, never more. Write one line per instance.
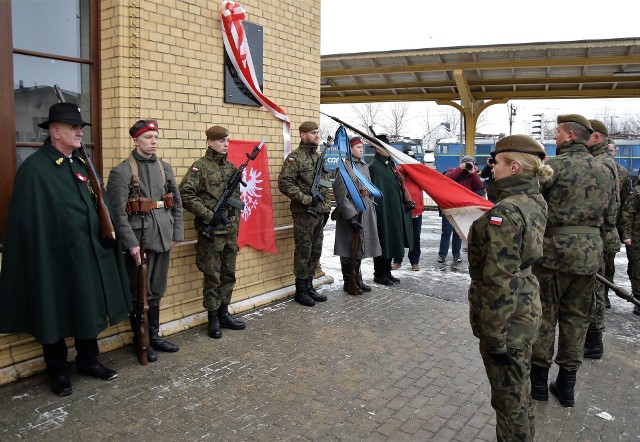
(575, 118)
(598, 126)
(66, 113)
(142, 126)
(355, 140)
(467, 159)
(308, 126)
(519, 143)
(216, 133)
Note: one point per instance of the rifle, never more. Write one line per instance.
(622, 293)
(107, 231)
(226, 199)
(356, 242)
(142, 305)
(318, 181)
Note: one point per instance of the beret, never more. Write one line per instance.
(519, 143)
(354, 141)
(575, 118)
(216, 133)
(308, 126)
(598, 126)
(142, 126)
(466, 159)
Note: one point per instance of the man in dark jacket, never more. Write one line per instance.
(58, 278)
(143, 177)
(393, 215)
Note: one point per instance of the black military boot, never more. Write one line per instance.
(155, 340)
(318, 297)
(345, 264)
(593, 347)
(636, 309)
(228, 321)
(213, 326)
(563, 387)
(133, 320)
(539, 377)
(364, 287)
(607, 301)
(302, 295)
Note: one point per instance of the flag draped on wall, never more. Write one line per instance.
(231, 16)
(256, 219)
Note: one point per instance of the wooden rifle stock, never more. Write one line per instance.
(142, 306)
(107, 231)
(356, 242)
(622, 293)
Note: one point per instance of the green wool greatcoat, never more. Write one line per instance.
(395, 229)
(57, 278)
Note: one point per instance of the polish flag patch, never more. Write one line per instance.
(81, 177)
(195, 170)
(495, 221)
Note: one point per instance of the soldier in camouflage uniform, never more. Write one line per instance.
(504, 299)
(578, 198)
(630, 235)
(200, 189)
(599, 148)
(309, 214)
(624, 183)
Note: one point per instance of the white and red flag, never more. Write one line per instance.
(460, 205)
(235, 42)
(256, 219)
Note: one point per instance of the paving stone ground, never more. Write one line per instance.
(395, 364)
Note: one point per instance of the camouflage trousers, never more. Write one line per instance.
(609, 268)
(511, 395)
(308, 236)
(597, 320)
(217, 260)
(157, 272)
(568, 301)
(633, 269)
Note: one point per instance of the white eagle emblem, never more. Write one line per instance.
(251, 193)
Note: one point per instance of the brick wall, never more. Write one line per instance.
(164, 60)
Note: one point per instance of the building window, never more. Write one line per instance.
(50, 42)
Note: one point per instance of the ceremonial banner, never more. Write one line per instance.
(256, 219)
(231, 16)
(459, 204)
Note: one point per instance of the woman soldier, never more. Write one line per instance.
(504, 298)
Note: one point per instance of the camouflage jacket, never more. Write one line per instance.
(625, 188)
(296, 178)
(579, 197)
(630, 218)
(610, 238)
(504, 298)
(203, 185)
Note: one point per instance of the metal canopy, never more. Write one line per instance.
(580, 69)
(480, 76)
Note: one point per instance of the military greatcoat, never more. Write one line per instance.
(58, 279)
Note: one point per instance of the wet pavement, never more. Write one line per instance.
(399, 363)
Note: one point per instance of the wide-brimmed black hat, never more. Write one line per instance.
(66, 113)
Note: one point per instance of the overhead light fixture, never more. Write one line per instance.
(626, 74)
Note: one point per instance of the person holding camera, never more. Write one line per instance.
(466, 177)
(144, 186)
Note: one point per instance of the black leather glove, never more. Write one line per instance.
(410, 206)
(326, 218)
(314, 201)
(503, 358)
(217, 219)
(354, 224)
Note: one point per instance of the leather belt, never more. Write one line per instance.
(565, 230)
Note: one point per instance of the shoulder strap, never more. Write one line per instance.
(135, 179)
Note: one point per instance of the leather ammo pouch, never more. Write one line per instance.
(137, 205)
(168, 200)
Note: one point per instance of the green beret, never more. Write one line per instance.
(216, 133)
(519, 143)
(598, 126)
(308, 126)
(575, 118)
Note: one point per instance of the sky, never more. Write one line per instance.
(352, 26)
